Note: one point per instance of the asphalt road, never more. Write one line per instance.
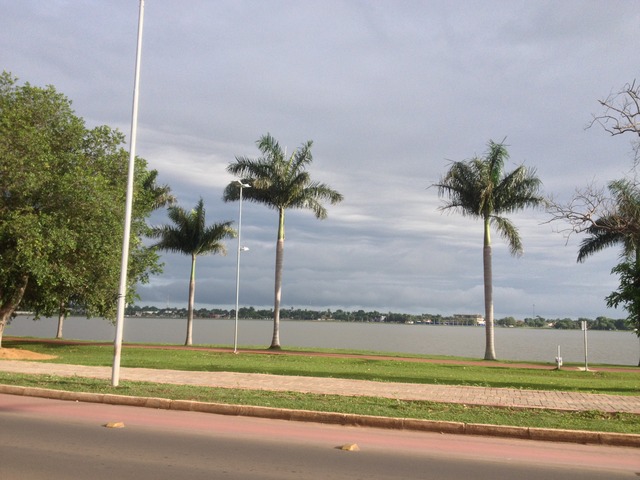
(51, 439)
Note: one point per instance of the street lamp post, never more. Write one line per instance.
(122, 290)
(240, 249)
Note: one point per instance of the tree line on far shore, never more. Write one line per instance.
(339, 315)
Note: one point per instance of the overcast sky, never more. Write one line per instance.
(390, 92)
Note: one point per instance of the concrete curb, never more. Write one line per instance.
(458, 428)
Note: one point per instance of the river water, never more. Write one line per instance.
(520, 344)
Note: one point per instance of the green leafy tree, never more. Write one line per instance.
(603, 323)
(566, 324)
(281, 183)
(143, 261)
(61, 206)
(190, 235)
(628, 294)
(507, 322)
(480, 188)
(103, 146)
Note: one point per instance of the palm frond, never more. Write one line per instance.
(212, 236)
(161, 195)
(270, 148)
(462, 186)
(602, 234)
(279, 182)
(619, 227)
(508, 232)
(189, 233)
(302, 156)
(479, 188)
(518, 190)
(495, 158)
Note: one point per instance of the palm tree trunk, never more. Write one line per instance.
(490, 350)
(192, 294)
(61, 316)
(275, 341)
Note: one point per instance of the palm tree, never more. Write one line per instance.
(480, 188)
(281, 183)
(621, 226)
(191, 236)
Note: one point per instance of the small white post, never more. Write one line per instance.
(559, 359)
(240, 249)
(584, 329)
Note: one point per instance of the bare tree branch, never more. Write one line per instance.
(589, 206)
(622, 114)
(582, 211)
(621, 111)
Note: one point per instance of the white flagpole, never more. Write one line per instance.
(122, 292)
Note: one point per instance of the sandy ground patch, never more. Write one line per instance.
(17, 354)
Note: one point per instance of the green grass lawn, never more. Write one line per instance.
(385, 370)
(619, 383)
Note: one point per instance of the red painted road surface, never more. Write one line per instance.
(618, 461)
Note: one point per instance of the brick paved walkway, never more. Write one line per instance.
(403, 391)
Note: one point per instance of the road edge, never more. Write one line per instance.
(434, 426)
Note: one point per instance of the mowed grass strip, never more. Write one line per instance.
(590, 420)
(614, 383)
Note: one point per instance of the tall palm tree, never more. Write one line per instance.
(190, 235)
(281, 183)
(480, 188)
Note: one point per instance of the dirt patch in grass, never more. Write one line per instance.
(18, 354)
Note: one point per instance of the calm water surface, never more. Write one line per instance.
(616, 348)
